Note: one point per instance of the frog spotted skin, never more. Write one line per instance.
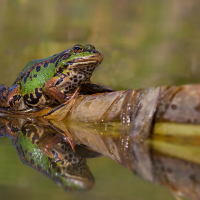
(51, 80)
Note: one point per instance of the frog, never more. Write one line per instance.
(51, 80)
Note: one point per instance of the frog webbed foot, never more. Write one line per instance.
(67, 100)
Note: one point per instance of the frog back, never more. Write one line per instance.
(36, 73)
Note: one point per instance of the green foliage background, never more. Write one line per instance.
(145, 43)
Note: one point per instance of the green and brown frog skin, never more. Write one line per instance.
(59, 162)
(52, 80)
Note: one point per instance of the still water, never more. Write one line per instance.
(111, 179)
(145, 44)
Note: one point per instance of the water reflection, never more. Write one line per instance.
(122, 125)
(43, 147)
(39, 146)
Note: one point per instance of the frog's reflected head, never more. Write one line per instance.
(80, 59)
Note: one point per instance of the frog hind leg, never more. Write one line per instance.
(11, 97)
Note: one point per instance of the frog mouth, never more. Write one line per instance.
(86, 66)
(87, 62)
(91, 60)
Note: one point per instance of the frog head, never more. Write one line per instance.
(79, 62)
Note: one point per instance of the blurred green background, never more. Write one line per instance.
(145, 43)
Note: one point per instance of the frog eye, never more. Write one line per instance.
(78, 48)
(89, 46)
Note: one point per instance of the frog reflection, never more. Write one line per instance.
(59, 161)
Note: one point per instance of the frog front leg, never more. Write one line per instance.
(60, 88)
(11, 97)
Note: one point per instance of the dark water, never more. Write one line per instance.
(146, 43)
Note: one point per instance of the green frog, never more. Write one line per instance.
(52, 80)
